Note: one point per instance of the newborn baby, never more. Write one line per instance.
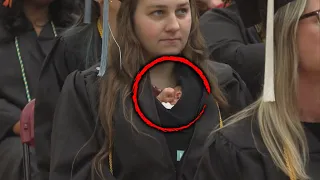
(169, 96)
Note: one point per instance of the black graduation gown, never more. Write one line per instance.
(77, 134)
(229, 42)
(233, 155)
(13, 98)
(68, 54)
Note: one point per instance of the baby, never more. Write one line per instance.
(170, 96)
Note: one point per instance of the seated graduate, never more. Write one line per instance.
(27, 31)
(277, 137)
(237, 43)
(78, 48)
(205, 5)
(95, 129)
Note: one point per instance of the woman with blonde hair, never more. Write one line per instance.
(277, 137)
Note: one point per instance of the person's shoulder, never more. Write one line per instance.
(236, 151)
(230, 12)
(224, 73)
(91, 77)
(88, 77)
(72, 34)
(231, 84)
(84, 83)
(240, 135)
(70, 40)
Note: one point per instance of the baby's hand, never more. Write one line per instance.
(170, 95)
(166, 95)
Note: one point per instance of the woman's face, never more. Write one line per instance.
(309, 39)
(162, 26)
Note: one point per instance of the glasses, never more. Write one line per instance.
(313, 13)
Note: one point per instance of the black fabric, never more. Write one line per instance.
(67, 55)
(252, 11)
(77, 133)
(12, 90)
(11, 158)
(314, 128)
(230, 42)
(238, 153)
(13, 97)
(186, 109)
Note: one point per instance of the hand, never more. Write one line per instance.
(16, 128)
(170, 95)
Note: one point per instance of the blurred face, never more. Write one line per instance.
(309, 39)
(162, 26)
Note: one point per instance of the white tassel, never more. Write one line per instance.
(268, 89)
(105, 39)
(87, 12)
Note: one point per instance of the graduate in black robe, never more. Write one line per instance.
(121, 146)
(78, 134)
(78, 48)
(17, 34)
(278, 136)
(239, 45)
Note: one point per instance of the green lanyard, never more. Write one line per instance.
(22, 66)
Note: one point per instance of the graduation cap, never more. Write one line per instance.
(250, 12)
(105, 34)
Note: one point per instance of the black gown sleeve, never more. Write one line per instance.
(218, 162)
(74, 133)
(8, 117)
(58, 65)
(68, 54)
(237, 93)
(225, 37)
(226, 161)
(233, 87)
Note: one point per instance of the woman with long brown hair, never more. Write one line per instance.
(96, 131)
(278, 136)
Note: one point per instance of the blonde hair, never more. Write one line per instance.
(279, 122)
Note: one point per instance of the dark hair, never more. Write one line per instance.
(82, 38)
(226, 3)
(14, 21)
(202, 7)
(118, 81)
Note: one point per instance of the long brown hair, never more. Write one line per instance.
(117, 82)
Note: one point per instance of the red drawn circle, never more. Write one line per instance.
(152, 64)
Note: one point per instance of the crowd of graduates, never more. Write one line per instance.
(75, 61)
